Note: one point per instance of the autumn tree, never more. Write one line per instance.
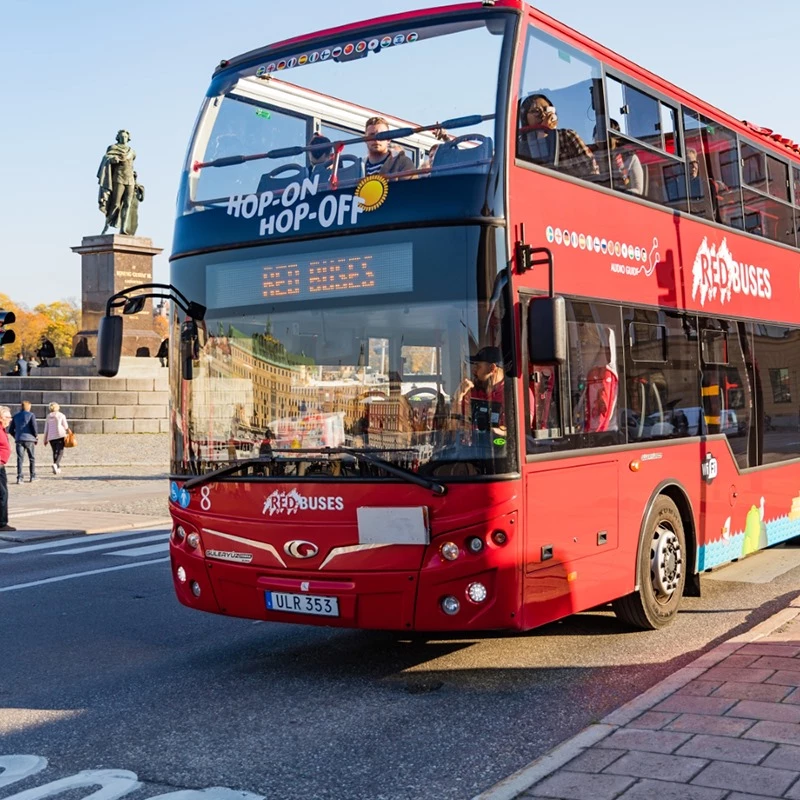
(56, 321)
(161, 326)
(63, 318)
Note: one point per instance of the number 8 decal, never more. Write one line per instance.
(205, 499)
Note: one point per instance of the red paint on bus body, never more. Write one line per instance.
(573, 522)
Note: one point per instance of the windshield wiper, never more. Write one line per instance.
(368, 458)
(229, 470)
(396, 133)
(387, 466)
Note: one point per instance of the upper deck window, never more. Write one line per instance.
(561, 101)
(642, 116)
(332, 89)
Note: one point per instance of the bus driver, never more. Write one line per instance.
(480, 400)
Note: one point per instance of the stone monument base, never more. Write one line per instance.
(109, 264)
(129, 367)
(135, 343)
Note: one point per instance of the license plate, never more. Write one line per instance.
(303, 603)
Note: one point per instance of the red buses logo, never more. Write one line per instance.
(291, 502)
(717, 275)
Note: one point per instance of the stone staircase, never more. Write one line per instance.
(94, 404)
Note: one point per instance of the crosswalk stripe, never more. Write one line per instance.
(27, 548)
(36, 513)
(92, 547)
(60, 578)
(142, 551)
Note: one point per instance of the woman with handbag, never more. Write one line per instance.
(56, 431)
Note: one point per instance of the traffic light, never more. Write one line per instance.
(6, 336)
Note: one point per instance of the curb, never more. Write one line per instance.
(544, 766)
(87, 465)
(24, 537)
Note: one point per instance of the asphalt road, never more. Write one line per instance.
(104, 669)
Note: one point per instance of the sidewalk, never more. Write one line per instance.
(108, 483)
(726, 727)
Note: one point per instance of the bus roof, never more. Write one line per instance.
(343, 30)
(767, 136)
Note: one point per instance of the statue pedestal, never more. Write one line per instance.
(109, 264)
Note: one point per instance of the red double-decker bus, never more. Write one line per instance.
(484, 325)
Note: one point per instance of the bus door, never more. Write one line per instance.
(571, 476)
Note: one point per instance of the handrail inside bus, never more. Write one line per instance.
(396, 133)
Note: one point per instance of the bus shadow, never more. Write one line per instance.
(405, 662)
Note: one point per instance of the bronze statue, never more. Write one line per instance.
(119, 194)
(138, 197)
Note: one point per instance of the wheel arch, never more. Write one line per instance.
(675, 491)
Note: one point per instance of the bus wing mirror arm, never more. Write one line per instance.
(131, 301)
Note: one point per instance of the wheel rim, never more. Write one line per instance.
(666, 562)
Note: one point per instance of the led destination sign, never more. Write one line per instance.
(383, 269)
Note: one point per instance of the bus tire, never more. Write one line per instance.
(661, 571)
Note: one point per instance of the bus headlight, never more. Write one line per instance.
(477, 592)
(180, 533)
(450, 605)
(193, 540)
(449, 551)
(195, 587)
(181, 575)
(475, 544)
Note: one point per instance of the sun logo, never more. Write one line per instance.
(373, 190)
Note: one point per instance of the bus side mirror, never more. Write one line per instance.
(134, 305)
(547, 330)
(109, 345)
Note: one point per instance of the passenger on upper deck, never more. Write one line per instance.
(541, 140)
(625, 164)
(697, 184)
(380, 159)
(320, 156)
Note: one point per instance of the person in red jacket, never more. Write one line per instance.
(5, 454)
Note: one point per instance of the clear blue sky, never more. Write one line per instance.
(77, 71)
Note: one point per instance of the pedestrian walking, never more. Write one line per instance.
(23, 429)
(163, 353)
(5, 454)
(55, 431)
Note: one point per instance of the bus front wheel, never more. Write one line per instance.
(661, 571)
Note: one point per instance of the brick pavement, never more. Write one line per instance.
(727, 727)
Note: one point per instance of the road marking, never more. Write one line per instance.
(15, 768)
(162, 547)
(80, 575)
(17, 514)
(28, 548)
(114, 783)
(90, 548)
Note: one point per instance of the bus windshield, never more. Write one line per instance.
(404, 357)
(410, 78)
